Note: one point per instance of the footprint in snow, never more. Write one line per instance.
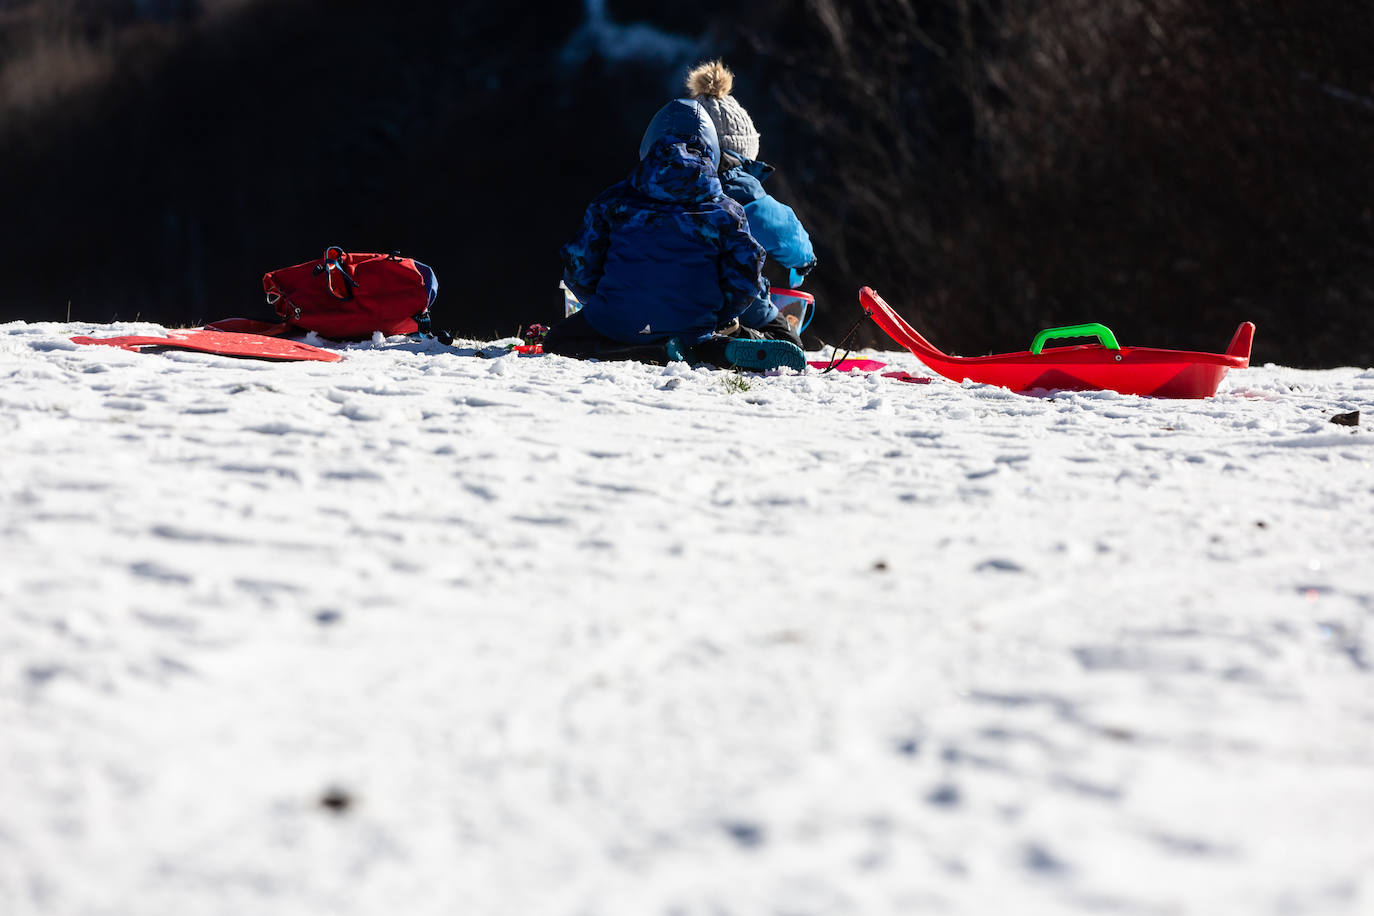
(998, 564)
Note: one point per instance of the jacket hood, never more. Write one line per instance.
(685, 121)
(679, 155)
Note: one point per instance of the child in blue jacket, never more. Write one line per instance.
(774, 225)
(664, 259)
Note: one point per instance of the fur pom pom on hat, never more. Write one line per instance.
(710, 84)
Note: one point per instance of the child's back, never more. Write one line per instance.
(665, 254)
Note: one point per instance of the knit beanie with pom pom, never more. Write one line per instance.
(710, 84)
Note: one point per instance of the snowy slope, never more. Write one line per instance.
(423, 633)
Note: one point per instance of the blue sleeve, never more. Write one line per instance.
(741, 273)
(584, 258)
(779, 232)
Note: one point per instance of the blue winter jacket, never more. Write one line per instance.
(665, 253)
(773, 225)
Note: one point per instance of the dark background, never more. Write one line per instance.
(1169, 168)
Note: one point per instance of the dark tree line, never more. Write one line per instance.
(1167, 167)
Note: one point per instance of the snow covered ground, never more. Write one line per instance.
(423, 633)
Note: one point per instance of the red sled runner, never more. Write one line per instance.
(1103, 366)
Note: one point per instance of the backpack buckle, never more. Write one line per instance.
(333, 262)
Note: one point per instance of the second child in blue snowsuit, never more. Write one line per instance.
(773, 224)
(664, 259)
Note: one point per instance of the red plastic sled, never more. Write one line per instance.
(1103, 366)
(849, 365)
(223, 343)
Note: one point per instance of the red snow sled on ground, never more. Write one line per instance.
(1103, 366)
(222, 343)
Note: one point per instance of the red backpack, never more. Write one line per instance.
(349, 296)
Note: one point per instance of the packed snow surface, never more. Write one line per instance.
(426, 633)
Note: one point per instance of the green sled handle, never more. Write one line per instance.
(1091, 329)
